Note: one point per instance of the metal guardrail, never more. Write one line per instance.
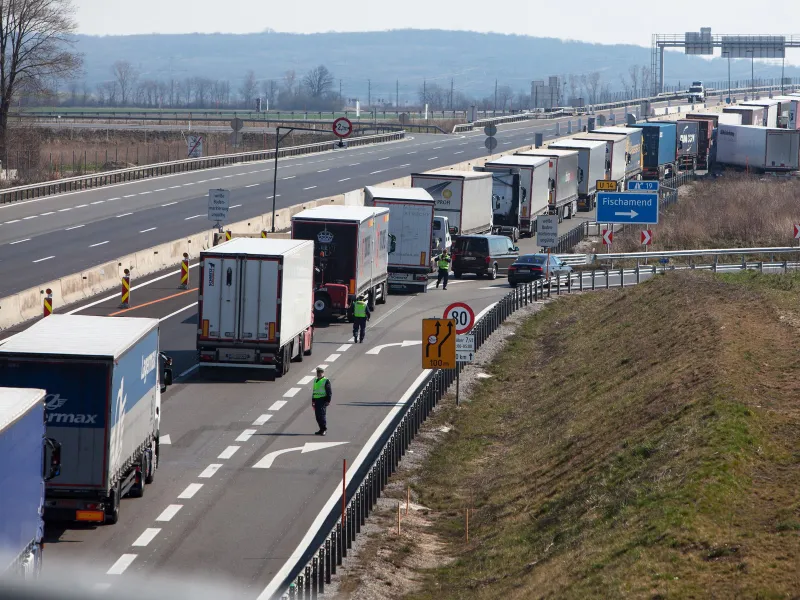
(95, 180)
(715, 252)
(313, 572)
(527, 116)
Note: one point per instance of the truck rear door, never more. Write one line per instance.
(782, 150)
(220, 310)
(258, 309)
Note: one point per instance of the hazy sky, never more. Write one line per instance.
(587, 20)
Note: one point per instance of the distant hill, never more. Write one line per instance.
(474, 60)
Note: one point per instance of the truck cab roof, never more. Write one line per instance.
(79, 335)
(410, 193)
(352, 214)
(257, 247)
(453, 173)
(518, 160)
(547, 152)
(16, 402)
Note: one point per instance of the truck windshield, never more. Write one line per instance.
(695, 89)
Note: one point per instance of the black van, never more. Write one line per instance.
(482, 255)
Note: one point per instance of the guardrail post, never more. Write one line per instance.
(621, 278)
(638, 280)
(607, 282)
(321, 570)
(330, 562)
(314, 578)
(761, 266)
(307, 581)
(558, 285)
(342, 550)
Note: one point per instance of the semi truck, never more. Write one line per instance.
(411, 243)
(104, 381)
(633, 148)
(616, 154)
(758, 148)
(751, 115)
(255, 306)
(28, 459)
(520, 193)
(660, 149)
(464, 197)
(705, 139)
(787, 112)
(591, 167)
(769, 111)
(563, 197)
(688, 143)
(351, 250)
(725, 118)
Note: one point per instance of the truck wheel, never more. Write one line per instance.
(137, 491)
(301, 353)
(307, 351)
(382, 297)
(151, 473)
(371, 298)
(456, 274)
(322, 306)
(112, 513)
(282, 367)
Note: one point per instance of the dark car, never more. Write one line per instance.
(530, 267)
(483, 255)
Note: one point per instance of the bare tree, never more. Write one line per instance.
(592, 84)
(86, 94)
(249, 89)
(633, 75)
(573, 84)
(35, 49)
(644, 71)
(289, 81)
(126, 76)
(318, 81)
(505, 95)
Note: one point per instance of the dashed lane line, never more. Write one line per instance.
(210, 470)
(168, 513)
(190, 491)
(123, 562)
(291, 392)
(245, 435)
(260, 421)
(332, 358)
(277, 405)
(148, 536)
(228, 452)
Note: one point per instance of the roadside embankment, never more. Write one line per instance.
(638, 443)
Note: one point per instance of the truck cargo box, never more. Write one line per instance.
(351, 249)
(769, 115)
(633, 150)
(751, 115)
(616, 153)
(660, 148)
(256, 303)
(787, 112)
(102, 376)
(563, 200)
(591, 167)
(758, 148)
(534, 173)
(464, 197)
(411, 212)
(688, 147)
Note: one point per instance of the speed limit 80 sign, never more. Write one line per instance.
(462, 314)
(342, 127)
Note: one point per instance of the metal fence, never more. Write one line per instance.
(95, 180)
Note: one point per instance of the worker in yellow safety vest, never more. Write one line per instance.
(361, 314)
(320, 399)
(444, 268)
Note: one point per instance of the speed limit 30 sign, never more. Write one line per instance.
(462, 314)
(342, 127)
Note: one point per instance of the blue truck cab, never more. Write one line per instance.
(659, 149)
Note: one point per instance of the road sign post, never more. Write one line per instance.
(342, 127)
(462, 314)
(797, 232)
(465, 352)
(547, 237)
(219, 201)
(438, 343)
(627, 208)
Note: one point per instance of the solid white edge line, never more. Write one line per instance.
(177, 312)
(148, 536)
(168, 513)
(123, 562)
(271, 590)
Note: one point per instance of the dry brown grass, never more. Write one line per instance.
(633, 444)
(735, 211)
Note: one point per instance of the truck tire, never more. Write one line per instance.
(301, 351)
(371, 298)
(137, 491)
(112, 514)
(382, 297)
(456, 274)
(322, 306)
(282, 366)
(151, 474)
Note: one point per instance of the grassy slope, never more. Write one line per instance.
(639, 444)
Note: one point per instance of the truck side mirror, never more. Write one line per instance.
(52, 459)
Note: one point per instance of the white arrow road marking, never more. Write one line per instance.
(403, 344)
(266, 462)
(630, 213)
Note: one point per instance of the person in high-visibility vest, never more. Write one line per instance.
(444, 269)
(320, 399)
(361, 314)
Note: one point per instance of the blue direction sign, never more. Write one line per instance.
(642, 186)
(627, 207)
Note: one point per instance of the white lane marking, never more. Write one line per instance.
(485, 310)
(85, 205)
(124, 215)
(146, 230)
(98, 244)
(344, 347)
(323, 171)
(432, 284)
(168, 204)
(172, 187)
(506, 143)
(43, 259)
(260, 421)
(354, 165)
(414, 152)
(277, 405)
(143, 193)
(210, 470)
(459, 152)
(405, 165)
(345, 179)
(193, 217)
(289, 177)
(376, 172)
(214, 179)
(47, 213)
(202, 181)
(28, 218)
(245, 435)
(187, 184)
(194, 367)
(20, 241)
(128, 196)
(390, 312)
(291, 392)
(306, 380)
(99, 202)
(165, 439)
(190, 491)
(124, 561)
(385, 158)
(177, 312)
(465, 143)
(433, 158)
(251, 185)
(332, 358)
(169, 512)
(148, 536)
(14, 221)
(160, 190)
(228, 452)
(272, 588)
(74, 227)
(271, 197)
(65, 209)
(309, 188)
(436, 148)
(235, 206)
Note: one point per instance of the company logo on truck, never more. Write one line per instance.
(149, 364)
(118, 433)
(728, 132)
(54, 401)
(324, 237)
(440, 193)
(211, 269)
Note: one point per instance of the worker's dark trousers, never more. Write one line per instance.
(320, 411)
(359, 325)
(443, 274)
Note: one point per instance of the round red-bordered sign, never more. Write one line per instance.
(342, 127)
(462, 314)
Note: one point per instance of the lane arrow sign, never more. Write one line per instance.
(647, 237)
(797, 232)
(403, 344)
(608, 237)
(630, 213)
(266, 462)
